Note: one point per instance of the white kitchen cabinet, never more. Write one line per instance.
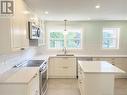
(14, 31)
(33, 86)
(97, 77)
(22, 82)
(81, 80)
(62, 67)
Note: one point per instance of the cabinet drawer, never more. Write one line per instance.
(63, 67)
(65, 70)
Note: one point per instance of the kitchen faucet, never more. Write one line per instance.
(65, 50)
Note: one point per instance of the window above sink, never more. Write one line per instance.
(59, 40)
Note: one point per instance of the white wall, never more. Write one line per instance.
(92, 36)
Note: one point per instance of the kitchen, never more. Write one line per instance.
(49, 49)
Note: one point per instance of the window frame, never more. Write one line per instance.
(117, 39)
(65, 40)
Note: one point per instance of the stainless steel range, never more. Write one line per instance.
(42, 72)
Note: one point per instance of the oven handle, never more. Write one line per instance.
(43, 70)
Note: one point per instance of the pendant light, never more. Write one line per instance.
(97, 4)
(65, 28)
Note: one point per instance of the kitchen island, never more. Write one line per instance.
(97, 77)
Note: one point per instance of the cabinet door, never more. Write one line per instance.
(51, 67)
(81, 80)
(19, 32)
(67, 67)
(62, 67)
(19, 35)
(33, 86)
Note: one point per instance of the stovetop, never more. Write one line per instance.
(31, 63)
(34, 63)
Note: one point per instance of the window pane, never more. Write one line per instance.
(56, 35)
(109, 43)
(74, 40)
(73, 43)
(110, 37)
(56, 40)
(59, 40)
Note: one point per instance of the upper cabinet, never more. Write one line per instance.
(14, 33)
(19, 28)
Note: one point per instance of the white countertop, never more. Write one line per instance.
(21, 75)
(99, 67)
(40, 57)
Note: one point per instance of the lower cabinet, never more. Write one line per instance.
(31, 88)
(81, 81)
(93, 83)
(62, 67)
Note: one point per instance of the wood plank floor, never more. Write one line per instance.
(70, 87)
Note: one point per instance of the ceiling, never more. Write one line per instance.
(80, 9)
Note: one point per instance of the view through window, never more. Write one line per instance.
(111, 38)
(61, 40)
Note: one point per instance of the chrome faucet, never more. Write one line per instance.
(65, 50)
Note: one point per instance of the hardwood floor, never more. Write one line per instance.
(70, 87)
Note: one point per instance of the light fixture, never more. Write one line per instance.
(26, 12)
(97, 4)
(65, 28)
(46, 12)
(88, 18)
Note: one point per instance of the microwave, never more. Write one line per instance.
(34, 30)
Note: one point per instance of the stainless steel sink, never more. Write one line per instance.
(65, 55)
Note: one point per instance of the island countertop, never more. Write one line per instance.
(99, 67)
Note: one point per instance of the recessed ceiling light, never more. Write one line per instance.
(46, 12)
(89, 18)
(26, 12)
(97, 6)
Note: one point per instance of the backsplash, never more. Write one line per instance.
(9, 60)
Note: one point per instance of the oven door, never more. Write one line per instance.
(43, 81)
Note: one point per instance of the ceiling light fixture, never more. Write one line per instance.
(88, 18)
(65, 28)
(97, 4)
(46, 12)
(26, 12)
